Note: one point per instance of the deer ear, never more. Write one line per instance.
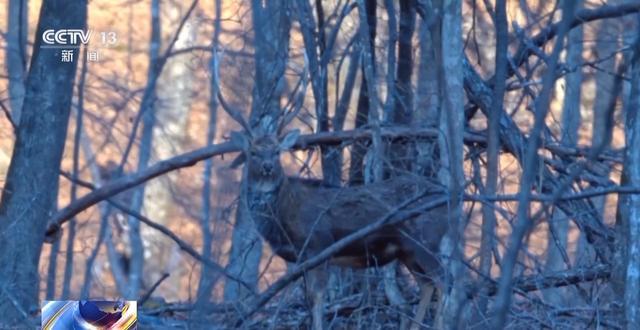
(290, 139)
(240, 140)
(238, 161)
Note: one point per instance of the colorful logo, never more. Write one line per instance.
(89, 314)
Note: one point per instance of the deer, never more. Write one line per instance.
(300, 217)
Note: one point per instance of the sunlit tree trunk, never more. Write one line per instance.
(173, 105)
(148, 109)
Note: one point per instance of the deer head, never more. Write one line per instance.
(261, 147)
(262, 157)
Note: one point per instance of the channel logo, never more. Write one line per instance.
(66, 37)
(89, 314)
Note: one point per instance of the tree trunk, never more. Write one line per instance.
(51, 270)
(530, 171)
(606, 43)
(272, 24)
(559, 224)
(206, 282)
(358, 150)
(169, 132)
(314, 44)
(493, 145)
(147, 109)
(16, 54)
(428, 93)
(30, 193)
(403, 108)
(244, 258)
(632, 166)
(398, 108)
(77, 142)
(451, 146)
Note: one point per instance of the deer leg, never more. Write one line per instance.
(426, 291)
(316, 282)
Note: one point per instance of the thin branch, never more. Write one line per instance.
(191, 158)
(581, 16)
(522, 226)
(164, 230)
(548, 198)
(155, 285)
(556, 280)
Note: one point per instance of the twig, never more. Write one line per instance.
(153, 288)
(181, 244)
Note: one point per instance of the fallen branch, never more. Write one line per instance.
(556, 280)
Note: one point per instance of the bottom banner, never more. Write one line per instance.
(89, 314)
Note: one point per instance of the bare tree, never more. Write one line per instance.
(31, 188)
(523, 224)
(356, 175)
(272, 24)
(16, 54)
(451, 149)
(632, 164)
(493, 144)
(557, 244)
(148, 115)
(169, 132)
(485, 98)
(206, 282)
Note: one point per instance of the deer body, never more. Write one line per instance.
(300, 218)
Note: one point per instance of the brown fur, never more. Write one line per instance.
(300, 218)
